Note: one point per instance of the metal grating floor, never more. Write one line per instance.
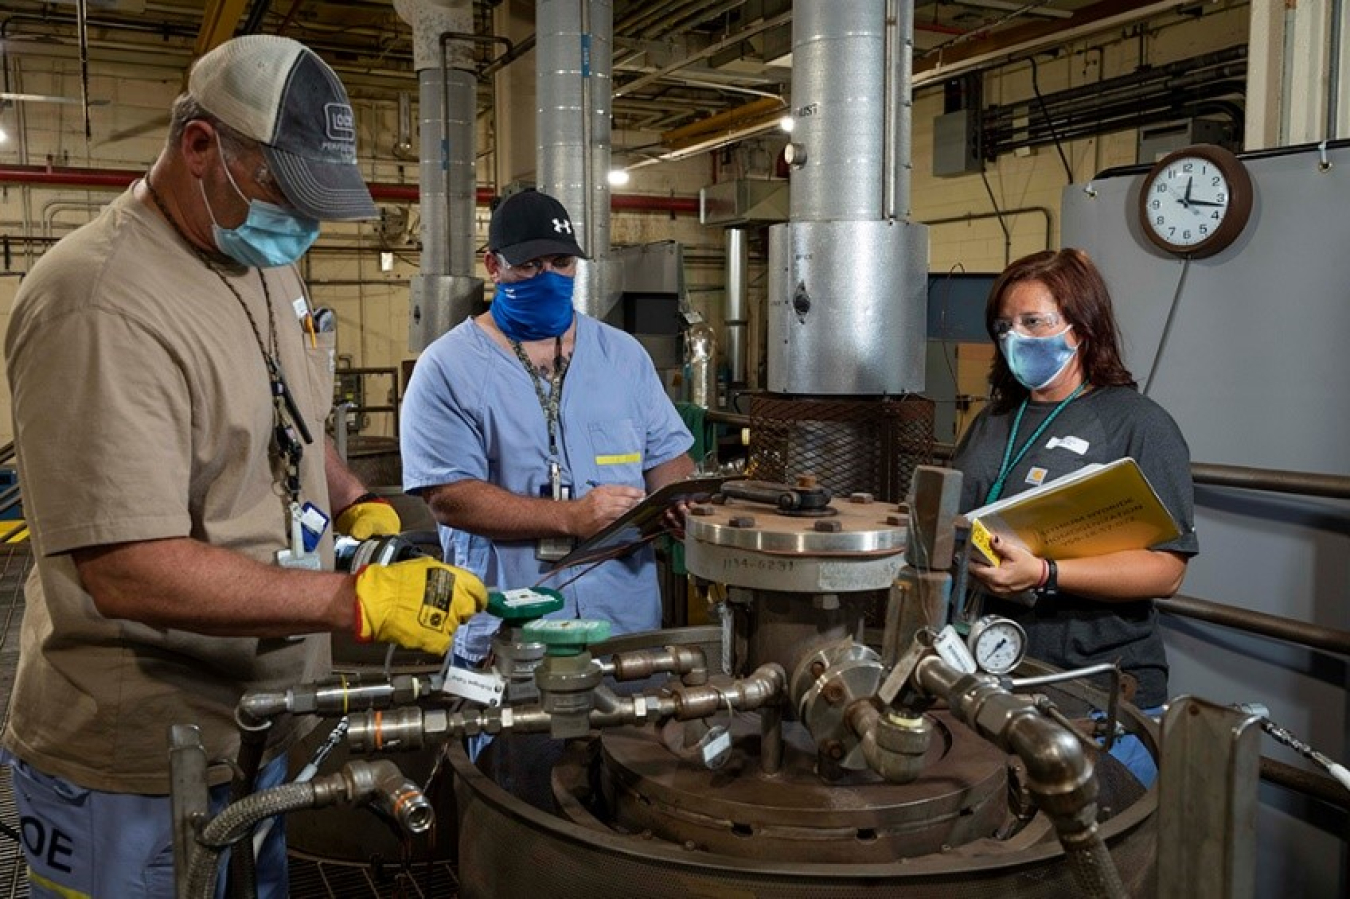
(311, 878)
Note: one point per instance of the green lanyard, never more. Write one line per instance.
(1010, 461)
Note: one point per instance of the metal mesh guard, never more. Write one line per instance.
(851, 446)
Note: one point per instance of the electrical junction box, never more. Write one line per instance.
(956, 144)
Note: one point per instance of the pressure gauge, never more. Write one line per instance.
(997, 644)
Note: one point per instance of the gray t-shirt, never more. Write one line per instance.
(1100, 426)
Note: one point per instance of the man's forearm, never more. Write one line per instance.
(188, 585)
(668, 472)
(343, 484)
(498, 514)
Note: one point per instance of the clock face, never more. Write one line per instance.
(1195, 202)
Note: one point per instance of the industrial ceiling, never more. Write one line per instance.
(676, 62)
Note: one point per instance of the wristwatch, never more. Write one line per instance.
(1051, 585)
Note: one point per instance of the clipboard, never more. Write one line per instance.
(640, 521)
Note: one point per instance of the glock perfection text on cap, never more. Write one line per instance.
(280, 93)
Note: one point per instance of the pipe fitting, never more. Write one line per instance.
(895, 745)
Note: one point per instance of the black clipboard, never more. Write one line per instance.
(640, 521)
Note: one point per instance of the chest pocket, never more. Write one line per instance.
(616, 451)
(320, 363)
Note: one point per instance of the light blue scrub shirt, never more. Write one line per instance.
(471, 413)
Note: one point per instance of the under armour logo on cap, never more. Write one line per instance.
(530, 224)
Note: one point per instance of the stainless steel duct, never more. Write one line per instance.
(574, 59)
(847, 274)
(738, 280)
(444, 292)
(839, 103)
(899, 164)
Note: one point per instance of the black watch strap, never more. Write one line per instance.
(1051, 585)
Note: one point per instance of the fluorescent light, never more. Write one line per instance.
(618, 177)
(4, 135)
(787, 123)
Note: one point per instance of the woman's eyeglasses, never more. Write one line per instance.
(1033, 324)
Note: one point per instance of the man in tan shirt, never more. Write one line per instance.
(169, 400)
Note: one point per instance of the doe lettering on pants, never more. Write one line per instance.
(88, 844)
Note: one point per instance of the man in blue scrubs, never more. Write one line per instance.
(531, 426)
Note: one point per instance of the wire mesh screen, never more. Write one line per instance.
(850, 445)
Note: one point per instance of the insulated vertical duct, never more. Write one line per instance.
(444, 292)
(574, 58)
(738, 284)
(847, 274)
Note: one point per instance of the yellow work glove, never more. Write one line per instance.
(369, 516)
(416, 604)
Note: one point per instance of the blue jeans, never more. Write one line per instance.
(88, 843)
(1130, 751)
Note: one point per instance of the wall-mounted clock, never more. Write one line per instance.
(1195, 201)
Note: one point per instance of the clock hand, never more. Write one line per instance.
(1206, 203)
(1186, 198)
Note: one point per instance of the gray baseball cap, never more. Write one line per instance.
(280, 93)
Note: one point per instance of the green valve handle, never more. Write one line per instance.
(526, 604)
(566, 636)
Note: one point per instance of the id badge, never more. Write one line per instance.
(301, 554)
(551, 549)
(313, 523)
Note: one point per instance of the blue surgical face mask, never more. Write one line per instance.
(1037, 361)
(270, 236)
(534, 309)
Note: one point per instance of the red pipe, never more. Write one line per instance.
(62, 176)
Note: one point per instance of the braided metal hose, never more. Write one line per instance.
(380, 780)
(236, 821)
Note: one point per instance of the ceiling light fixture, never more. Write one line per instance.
(618, 177)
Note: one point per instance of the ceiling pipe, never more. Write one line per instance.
(119, 179)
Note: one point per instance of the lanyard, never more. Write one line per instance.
(548, 403)
(1009, 460)
(286, 414)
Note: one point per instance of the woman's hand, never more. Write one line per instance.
(1017, 572)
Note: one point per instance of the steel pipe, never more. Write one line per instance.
(1259, 623)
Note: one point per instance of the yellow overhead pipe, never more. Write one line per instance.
(219, 20)
(752, 113)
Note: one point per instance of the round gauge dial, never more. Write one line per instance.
(998, 644)
(1195, 201)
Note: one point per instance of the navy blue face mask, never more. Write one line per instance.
(535, 309)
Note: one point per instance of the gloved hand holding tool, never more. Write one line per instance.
(416, 604)
(368, 516)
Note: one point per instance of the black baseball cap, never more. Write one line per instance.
(531, 224)
(281, 94)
